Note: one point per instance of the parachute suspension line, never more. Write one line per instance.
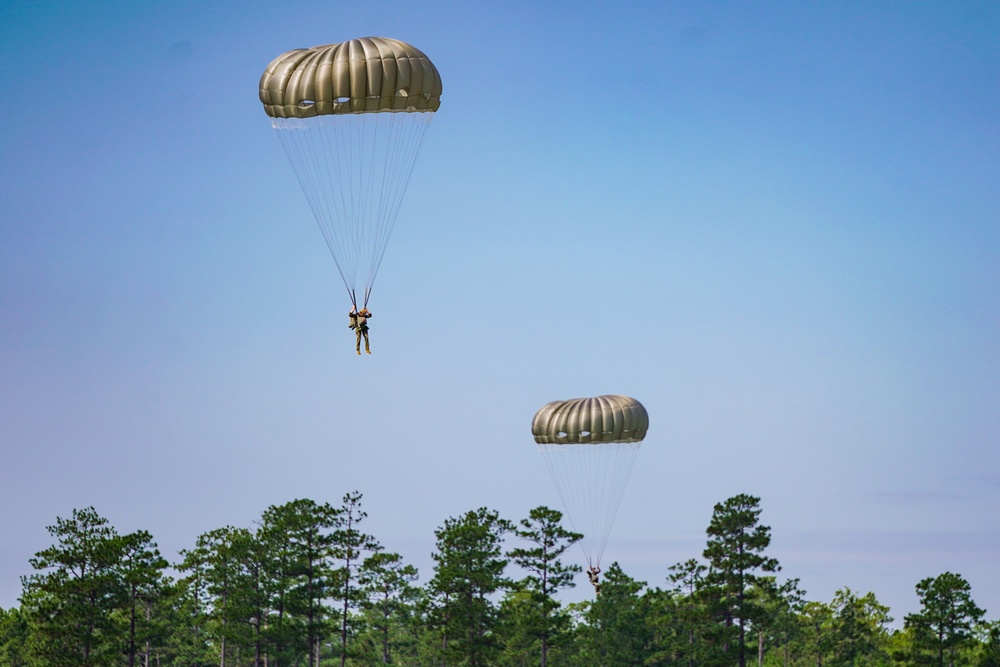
(384, 193)
(618, 467)
(354, 170)
(361, 160)
(350, 140)
(301, 149)
(411, 140)
(365, 147)
(332, 224)
(340, 171)
(590, 480)
(570, 476)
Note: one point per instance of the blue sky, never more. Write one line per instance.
(774, 224)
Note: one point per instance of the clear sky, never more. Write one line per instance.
(775, 224)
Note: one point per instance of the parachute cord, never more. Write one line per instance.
(354, 301)
(367, 294)
(355, 170)
(305, 163)
(590, 480)
(408, 143)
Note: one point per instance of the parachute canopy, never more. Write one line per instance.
(360, 76)
(590, 420)
(589, 446)
(352, 118)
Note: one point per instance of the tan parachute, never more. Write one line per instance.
(589, 446)
(352, 118)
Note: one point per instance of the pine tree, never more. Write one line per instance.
(348, 547)
(692, 613)
(13, 638)
(787, 604)
(232, 609)
(387, 586)
(988, 653)
(547, 575)
(141, 568)
(70, 603)
(469, 569)
(815, 640)
(735, 554)
(618, 632)
(299, 538)
(946, 618)
(858, 627)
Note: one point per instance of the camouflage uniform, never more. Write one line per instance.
(595, 581)
(359, 322)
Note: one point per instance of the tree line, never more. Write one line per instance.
(305, 586)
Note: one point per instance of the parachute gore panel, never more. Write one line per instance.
(366, 75)
(602, 419)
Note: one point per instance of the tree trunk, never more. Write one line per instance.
(385, 634)
(743, 645)
(347, 594)
(145, 659)
(131, 631)
(545, 609)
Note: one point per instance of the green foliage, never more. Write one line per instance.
(813, 641)
(469, 569)
(70, 601)
(179, 627)
(616, 632)
(776, 606)
(670, 638)
(13, 638)
(348, 546)
(298, 537)
(518, 624)
(81, 606)
(141, 569)
(945, 621)
(532, 612)
(858, 628)
(681, 618)
(735, 556)
(388, 602)
(987, 649)
(306, 587)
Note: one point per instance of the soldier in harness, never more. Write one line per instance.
(359, 322)
(592, 574)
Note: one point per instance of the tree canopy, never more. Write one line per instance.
(304, 585)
